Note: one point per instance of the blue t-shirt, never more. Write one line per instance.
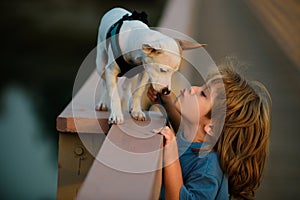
(202, 175)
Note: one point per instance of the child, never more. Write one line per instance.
(233, 166)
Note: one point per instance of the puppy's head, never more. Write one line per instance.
(162, 58)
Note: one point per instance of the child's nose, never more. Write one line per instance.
(193, 90)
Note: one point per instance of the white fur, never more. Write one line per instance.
(158, 53)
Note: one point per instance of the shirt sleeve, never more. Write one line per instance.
(199, 186)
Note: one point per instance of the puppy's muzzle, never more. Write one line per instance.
(165, 91)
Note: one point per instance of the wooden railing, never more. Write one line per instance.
(82, 139)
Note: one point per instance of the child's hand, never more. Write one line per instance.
(152, 94)
(167, 133)
(170, 148)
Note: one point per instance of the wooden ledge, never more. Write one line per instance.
(80, 115)
(129, 162)
(130, 153)
(82, 121)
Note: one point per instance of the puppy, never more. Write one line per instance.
(137, 46)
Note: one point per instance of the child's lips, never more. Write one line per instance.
(182, 91)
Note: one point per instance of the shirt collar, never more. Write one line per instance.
(186, 146)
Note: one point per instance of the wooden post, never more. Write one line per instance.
(82, 138)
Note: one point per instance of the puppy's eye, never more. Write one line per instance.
(158, 52)
(163, 70)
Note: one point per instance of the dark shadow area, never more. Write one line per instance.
(43, 46)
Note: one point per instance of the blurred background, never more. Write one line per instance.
(43, 46)
(45, 42)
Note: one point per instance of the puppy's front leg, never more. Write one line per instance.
(116, 115)
(136, 109)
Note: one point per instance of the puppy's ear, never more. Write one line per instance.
(186, 45)
(151, 49)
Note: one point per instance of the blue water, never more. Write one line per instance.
(28, 166)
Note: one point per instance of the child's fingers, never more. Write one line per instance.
(152, 94)
(152, 90)
(165, 131)
(157, 130)
(164, 128)
(153, 98)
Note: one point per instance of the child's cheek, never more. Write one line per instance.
(189, 108)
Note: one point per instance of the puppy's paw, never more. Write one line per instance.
(116, 118)
(138, 115)
(101, 107)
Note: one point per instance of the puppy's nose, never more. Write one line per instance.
(165, 91)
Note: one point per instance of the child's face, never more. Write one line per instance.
(194, 103)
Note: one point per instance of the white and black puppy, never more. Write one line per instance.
(138, 45)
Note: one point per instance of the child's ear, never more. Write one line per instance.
(208, 128)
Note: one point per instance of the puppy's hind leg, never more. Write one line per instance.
(124, 85)
(116, 115)
(104, 99)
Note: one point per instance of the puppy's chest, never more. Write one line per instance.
(133, 58)
(129, 64)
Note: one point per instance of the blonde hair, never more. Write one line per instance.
(244, 139)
